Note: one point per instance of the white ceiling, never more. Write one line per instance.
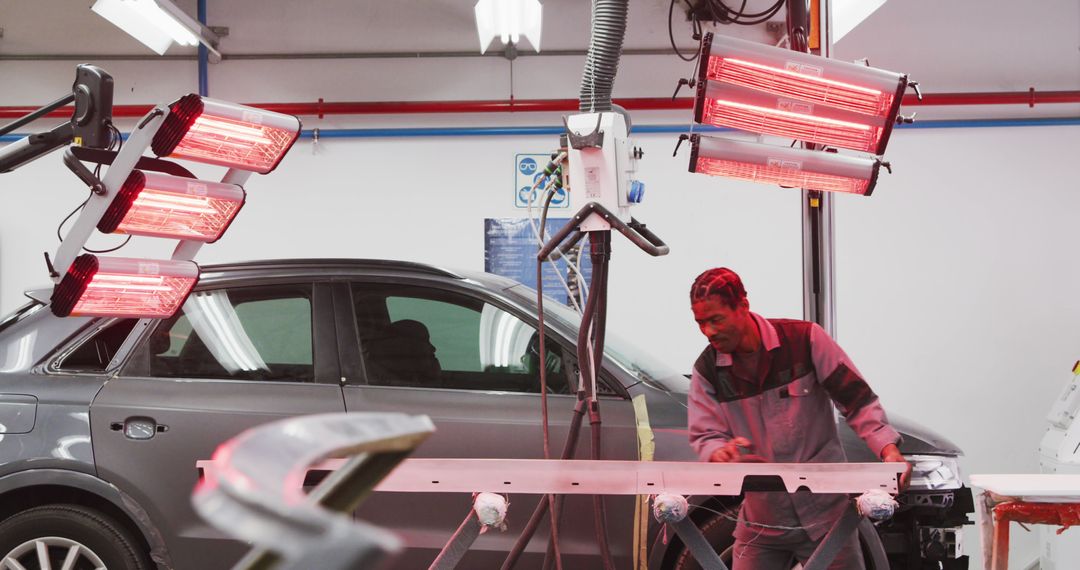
(948, 45)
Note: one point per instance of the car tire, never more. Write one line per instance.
(59, 531)
(718, 531)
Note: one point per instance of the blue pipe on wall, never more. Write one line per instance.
(652, 129)
(204, 57)
(638, 129)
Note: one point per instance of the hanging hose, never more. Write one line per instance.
(602, 61)
(597, 83)
(585, 397)
(554, 540)
(569, 449)
(600, 250)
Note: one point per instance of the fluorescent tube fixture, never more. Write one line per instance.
(156, 23)
(508, 20)
(123, 287)
(768, 90)
(158, 205)
(792, 167)
(225, 134)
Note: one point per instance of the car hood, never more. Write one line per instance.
(921, 439)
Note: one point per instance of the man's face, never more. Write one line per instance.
(722, 325)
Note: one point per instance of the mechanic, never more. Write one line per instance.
(764, 386)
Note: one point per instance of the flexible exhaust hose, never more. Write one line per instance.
(600, 245)
(584, 397)
(602, 61)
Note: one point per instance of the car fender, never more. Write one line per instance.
(99, 488)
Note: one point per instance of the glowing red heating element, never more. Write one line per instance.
(777, 174)
(768, 90)
(159, 205)
(799, 126)
(123, 287)
(226, 134)
(790, 167)
(800, 86)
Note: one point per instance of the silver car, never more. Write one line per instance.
(102, 421)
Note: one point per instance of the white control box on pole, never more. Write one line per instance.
(603, 162)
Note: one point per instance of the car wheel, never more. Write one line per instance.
(718, 531)
(71, 537)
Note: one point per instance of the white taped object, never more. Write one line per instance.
(490, 511)
(669, 508)
(876, 505)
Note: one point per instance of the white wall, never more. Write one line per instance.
(956, 280)
(957, 289)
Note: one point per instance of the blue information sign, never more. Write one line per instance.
(510, 251)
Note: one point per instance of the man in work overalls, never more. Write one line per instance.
(769, 385)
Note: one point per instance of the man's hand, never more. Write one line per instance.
(730, 452)
(891, 454)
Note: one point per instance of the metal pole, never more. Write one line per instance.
(204, 56)
(818, 239)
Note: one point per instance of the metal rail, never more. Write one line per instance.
(610, 477)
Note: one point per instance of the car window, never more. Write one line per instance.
(420, 337)
(639, 363)
(245, 333)
(95, 353)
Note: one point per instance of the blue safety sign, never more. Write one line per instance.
(527, 165)
(510, 248)
(529, 174)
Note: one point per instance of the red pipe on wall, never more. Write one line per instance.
(321, 108)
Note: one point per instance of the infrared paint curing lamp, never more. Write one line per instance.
(136, 197)
(159, 205)
(789, 167)
(768, 90)
(123, 287)
(226, 134)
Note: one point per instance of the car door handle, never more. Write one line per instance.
(314, 477)
(139, 427)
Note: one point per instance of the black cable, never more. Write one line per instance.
(737, 17)
(671, 34)
(118, 143)
(543, 376)
(110, 250)
(764, 17)
(569, 450)
(61, 226)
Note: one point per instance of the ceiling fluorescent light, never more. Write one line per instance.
(508, 20)
(155, 23)
(790, 167)
(767, 90)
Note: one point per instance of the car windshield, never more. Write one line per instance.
(635, 361)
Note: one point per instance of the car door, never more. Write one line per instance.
(472, 365)
(231, 359)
